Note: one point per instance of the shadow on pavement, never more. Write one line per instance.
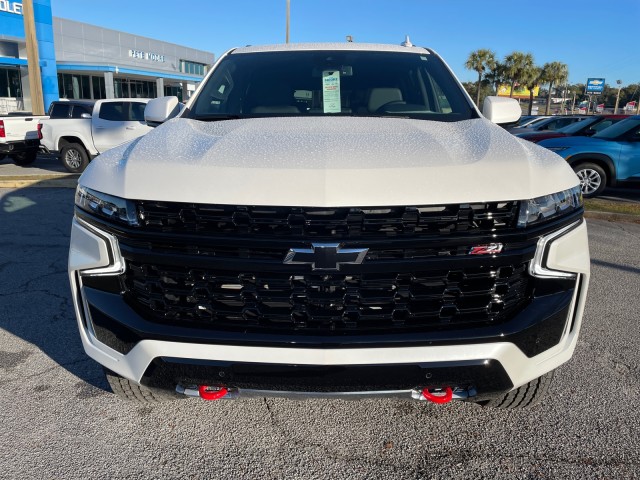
(35, 301)
(616, 266)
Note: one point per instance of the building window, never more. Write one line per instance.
(130, 88)
(81, 87)
(99, 91)
(193, 68)
(173, 91)
(10, 84)
(74, 87)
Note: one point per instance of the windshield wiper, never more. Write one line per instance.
(214, 117)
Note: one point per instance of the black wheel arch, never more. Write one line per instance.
(600, 159)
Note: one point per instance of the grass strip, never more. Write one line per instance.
(600, 205)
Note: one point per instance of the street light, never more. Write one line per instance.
(615, 110)
(288, 19)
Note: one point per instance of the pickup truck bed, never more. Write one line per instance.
(19, 137)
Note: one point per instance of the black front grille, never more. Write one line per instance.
(327, 304)
(311, 222)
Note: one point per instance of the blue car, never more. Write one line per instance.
(605, 159)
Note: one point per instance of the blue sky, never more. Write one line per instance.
(594, 38)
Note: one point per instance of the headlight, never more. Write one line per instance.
(106, 206)
(557, 149)
(545, 208)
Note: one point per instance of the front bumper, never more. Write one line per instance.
(481, 363)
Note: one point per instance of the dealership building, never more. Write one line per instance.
(82, 61)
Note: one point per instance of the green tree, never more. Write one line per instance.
(472, 89)
(480, 61)
(554, 73)
(496, 76)
(531, 78)
(516, 64)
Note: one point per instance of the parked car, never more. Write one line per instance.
(524, 119)
(530, 120)
(605, 159)
(19, 137)
(78, 132)
(584, 128)
(331, 220)
(552, 123)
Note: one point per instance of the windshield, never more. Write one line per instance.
(325, 83)
(577, 126)
(620, 128)
(534, 123)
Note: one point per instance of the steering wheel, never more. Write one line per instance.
(383, 108)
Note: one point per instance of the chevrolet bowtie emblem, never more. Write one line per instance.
(325, 256)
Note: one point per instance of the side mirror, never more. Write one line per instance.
(85, 115)
(589, 132)
(501, 110)
(159, 110)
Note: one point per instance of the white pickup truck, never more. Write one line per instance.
(19, 137)
(78, 140)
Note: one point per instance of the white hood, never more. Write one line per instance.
(328, 161)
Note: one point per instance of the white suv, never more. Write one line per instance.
(330, 220)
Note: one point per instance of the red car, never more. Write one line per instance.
(583, 128)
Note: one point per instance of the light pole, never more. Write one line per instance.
(615, 110)
(288, 19)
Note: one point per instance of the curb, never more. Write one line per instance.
(69, 180)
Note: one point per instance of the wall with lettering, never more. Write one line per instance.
(12, 28)
(81, 43)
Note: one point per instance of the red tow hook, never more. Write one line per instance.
(443, 396)
(212, 393)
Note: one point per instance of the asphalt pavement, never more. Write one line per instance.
(60, 421)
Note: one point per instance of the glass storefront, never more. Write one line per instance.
(132, 88)
(80, 87)
(92, 87)
(10, 84)
(172, 91)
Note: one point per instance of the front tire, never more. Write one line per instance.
(131, 391)
(25, 158)
(74, 157)
(527, 395)
(593, 179)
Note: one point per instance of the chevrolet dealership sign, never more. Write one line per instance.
(595, 85)
(152, 57)
(10, 7)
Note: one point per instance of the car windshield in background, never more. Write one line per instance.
(325, 83)
(577, 126)
(620, 128)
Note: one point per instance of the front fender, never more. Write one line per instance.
(606, 160)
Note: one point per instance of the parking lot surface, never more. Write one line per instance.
(60, 421)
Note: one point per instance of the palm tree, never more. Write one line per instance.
(554, 73)
(496, 76)
(480, 61)
(516, 63)
(532, 78)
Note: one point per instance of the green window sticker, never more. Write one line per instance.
(331, 91)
